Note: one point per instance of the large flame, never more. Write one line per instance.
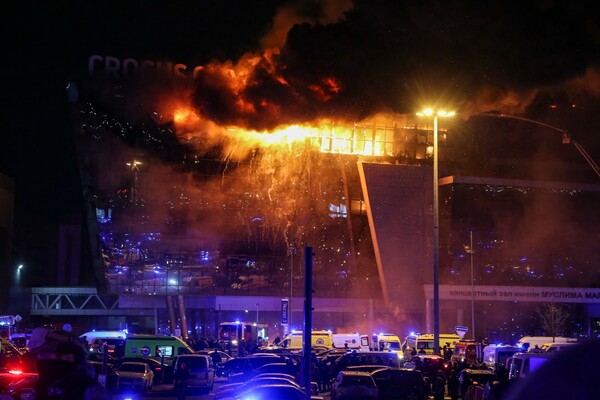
(368, 139)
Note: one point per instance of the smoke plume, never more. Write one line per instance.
(353, 60)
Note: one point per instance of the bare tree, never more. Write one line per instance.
(553, 318)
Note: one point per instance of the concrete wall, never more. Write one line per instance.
(399, 206)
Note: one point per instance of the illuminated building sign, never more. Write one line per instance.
(130, 68)
(516, 293)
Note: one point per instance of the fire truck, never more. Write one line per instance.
(233, 332)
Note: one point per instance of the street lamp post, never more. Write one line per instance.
(436, 217)
(469, 249)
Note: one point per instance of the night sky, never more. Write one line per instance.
(340, 59)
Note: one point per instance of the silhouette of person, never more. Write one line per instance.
(180, 380)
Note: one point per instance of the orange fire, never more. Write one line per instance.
(324, 136)
(185, 116)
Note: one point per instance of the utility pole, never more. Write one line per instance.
(307, 330)
(469, 249)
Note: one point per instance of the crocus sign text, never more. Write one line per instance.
(130, 68)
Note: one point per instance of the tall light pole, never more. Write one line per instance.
(135, 168)
(469, 249)
(428, 112)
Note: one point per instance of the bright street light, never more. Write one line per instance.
(18, 273)
(430, 112)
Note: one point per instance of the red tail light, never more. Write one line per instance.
(15, 372)
(157, 369)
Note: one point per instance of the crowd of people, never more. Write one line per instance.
(242, 348)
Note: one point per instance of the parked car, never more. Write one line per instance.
(271, 392)
(159, 370)
(217, 356)
(246, 364)
(474, 377)
(111, 379)
(201, 371)
(357, 385)
(383, 358)
(23, 388)
(233, 389)
(278, 367)
(99, 357)
(8, 377)
(365, 368)
(400, 384)
(431, 364)
(135, 375)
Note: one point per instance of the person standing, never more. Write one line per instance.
(453, 383)
(180, 380)
(439, 386)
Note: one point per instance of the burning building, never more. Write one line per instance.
(226, 211)
(207, 181)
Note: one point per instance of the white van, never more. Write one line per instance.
(201, 370)
(498, 354)
(346, 340)
(554, 347)
(528, 343)
(90, 336)
(522, 365)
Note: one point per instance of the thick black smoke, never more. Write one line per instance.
(383, 56)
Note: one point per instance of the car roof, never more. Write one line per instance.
(273, 386)
(134, 362)
(192, 355)
(478, 371)
(276, 379)
(138, 359)
(430, 356)
(365, 367)
(271, 365)
(274, 375)
(355, 373)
